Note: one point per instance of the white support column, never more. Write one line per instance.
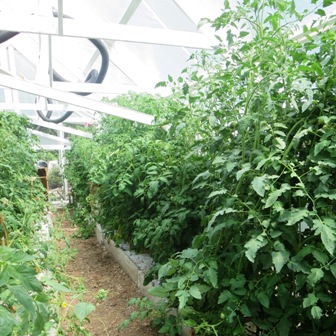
(61, 160)
(12, 94)
(43, 66)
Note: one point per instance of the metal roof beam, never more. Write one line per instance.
(52, 147)
(50, 137)
(73, 99)
(62, 128)
(133, 6)
(102, 30)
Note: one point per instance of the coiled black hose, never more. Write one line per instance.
(93, 77)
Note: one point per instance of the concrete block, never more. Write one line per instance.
(99, 233)
(122, 259)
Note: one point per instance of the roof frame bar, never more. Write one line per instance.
(109, 31)
(73, 99)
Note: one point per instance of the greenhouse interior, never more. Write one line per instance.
(168, 167)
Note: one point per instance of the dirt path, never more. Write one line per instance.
(99, 271)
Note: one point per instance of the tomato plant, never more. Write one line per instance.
(30, 282)
(235, 195)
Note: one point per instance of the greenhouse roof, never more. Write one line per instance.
(48, 50)
(145, 41)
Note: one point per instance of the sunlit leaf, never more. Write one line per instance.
(310, 300)
(316, 312)
(83, 309)
(7, 322)
(252, 247)
(280, 258)
(258, 184)
(195, 292)
(316, 274)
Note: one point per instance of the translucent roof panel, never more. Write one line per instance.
(146, 40)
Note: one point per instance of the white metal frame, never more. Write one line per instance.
(66, 97)
(108, 31)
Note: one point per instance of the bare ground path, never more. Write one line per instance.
(98, 270)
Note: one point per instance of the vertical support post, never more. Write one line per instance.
(44, 61)
(50, 61)
(61, 161)
(60, 17)
(13, 95)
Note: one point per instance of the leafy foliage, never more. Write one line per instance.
(24, 305)
(31, 282)
(237, 198)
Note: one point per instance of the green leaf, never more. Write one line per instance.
(23, 297)
(320, 146)
(229, 37)
(316, 312)
(164, 329)
(224, 296)
(164, 269)
(213, 121)
(295, 215)
(258, 184)
(253, 245)
(306, 104)
(195, 292)
(158, 291)
(182, 297)
(320, 257)
(327, 3)
(243, 33)
(310, 300)
(280, 258)
(205, 175)
(321, 12)
(211, 276)
(241, 172)
(26, 276)
(83, 309)
(316, 274)
(189, 253)
(328, 238)
(297, 266)
(218, 160)
(284, 326)
(263, 299)
(7, 322)
(333, 270)
(281, 144)
(4, 275)
(56, 286)
(283, 295)
(41, 319)
(230, 165)
(218, 192)
(272, 198)
(153, 188)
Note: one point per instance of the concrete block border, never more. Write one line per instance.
(131, 269)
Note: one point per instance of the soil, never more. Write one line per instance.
(99, 270)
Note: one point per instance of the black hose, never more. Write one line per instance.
(49, 114)
(93, 77)
(6, 35)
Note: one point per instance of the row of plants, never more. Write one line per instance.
(32, 281)
(232, 191)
